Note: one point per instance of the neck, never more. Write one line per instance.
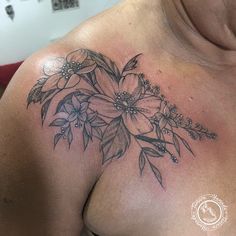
(200, 31)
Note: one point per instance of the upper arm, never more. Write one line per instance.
(43, 189)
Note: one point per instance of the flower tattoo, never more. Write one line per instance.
(116, 107)
(65, 73)
(125, 99)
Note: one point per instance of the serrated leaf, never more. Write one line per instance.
(108, 65)
(176, 143)
(35, 94)
(115, 140)
(45, 95)
(131, 65)
(142, 161)
(100, 60)
(157, 173)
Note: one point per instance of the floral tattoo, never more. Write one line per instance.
(116, 107)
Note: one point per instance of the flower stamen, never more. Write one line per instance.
(125, 102)
(70, 68)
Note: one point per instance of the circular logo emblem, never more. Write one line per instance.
(209, 212)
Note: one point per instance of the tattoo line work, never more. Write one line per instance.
(116, 107)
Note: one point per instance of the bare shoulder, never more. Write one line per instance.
(43, 187)
(78, 105)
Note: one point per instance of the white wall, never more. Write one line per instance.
(35, 25)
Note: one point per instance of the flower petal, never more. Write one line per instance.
(87, 66)
(137, 124)
(53, 66)
(73, 80)
(76, 102)
(77, 56)
(72, 117)
(62, 115)
(106, 83)
(68, 108)
(83, 116)
(104, 106)
(166, 111)
(163, 122)
(51, 83)
(148, 105)
(158, 115)
(61, 83)
(84, 107)
(132, 84)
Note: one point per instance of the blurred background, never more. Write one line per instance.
(28, 25)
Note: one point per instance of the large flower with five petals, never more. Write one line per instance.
(125, 99)
(65, 73)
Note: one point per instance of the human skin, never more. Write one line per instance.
(46, 191)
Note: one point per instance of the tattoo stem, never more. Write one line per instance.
(95, 86)
(151, 140)
(50, 99)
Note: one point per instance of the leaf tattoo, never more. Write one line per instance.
(116, 108)
(115, 140)
(142, 161)
(132, 64)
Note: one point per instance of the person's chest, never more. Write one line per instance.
(151, 188)
(126, 203)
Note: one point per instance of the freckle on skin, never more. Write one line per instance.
(191, 98)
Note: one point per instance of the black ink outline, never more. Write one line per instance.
(163, 122)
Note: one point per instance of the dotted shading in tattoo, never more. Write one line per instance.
(116, 107)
